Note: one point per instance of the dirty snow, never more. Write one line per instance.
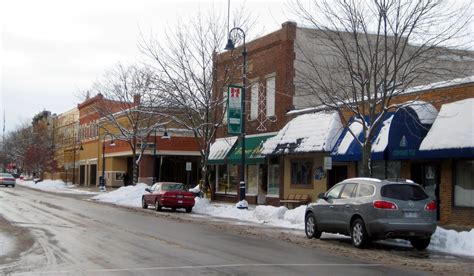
(55, 186)
(452, 128)
(449, 241)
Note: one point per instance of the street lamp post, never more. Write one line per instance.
(230, 46)
(165, 136)
(102, 178)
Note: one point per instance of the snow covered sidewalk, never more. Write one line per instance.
(55, 186)
(448, 241)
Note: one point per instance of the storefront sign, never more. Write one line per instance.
(327, 162)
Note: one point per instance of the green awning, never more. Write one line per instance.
(253, 149)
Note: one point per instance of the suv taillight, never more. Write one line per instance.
(382, 204)
(430, 206)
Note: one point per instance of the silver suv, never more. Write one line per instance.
(372, 209)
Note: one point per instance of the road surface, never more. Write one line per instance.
(69, 235)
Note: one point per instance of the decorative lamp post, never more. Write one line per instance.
(102, 178)
(230, 46)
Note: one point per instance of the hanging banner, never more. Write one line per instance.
(234, 109)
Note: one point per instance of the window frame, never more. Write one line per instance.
(311, 171)
(454, 180)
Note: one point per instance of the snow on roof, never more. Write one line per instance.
(306, 133)
(415, 89)
(441, 84)
(221, 147)
(426, 112)
(453, 127)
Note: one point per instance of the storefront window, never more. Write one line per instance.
(464, 184)
(393, 169)
(233, 179)
(252, 179)
(273, 179)
(301, 172)
(222, 179)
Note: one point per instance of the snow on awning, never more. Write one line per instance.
(452, 133)
(397, 137)
(426, 112)
(219, 150)
(315, 132)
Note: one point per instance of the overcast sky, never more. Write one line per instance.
(52, 50)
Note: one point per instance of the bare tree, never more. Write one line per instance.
(360, 54)
(185, 71)
(16, 144)
(128, 110)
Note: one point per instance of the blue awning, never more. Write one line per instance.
(397, 137)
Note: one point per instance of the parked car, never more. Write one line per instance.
(7, 179)
(372, 209)
(168, 194)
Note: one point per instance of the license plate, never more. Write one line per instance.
(411, 214)
(180, 201)
(179, 196)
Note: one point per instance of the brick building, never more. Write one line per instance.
(272, 94)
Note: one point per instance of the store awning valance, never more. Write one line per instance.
(397, 137)
(253, 150)
(316, 132)
(220, 149)
(452, 133)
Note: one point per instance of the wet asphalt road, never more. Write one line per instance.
(73, 236)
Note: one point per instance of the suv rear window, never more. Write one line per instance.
(403, 192)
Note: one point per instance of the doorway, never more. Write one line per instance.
(336, 175)
(428, 176)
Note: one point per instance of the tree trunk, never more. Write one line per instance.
(366, 160)
(135, 168)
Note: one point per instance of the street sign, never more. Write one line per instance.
(188, 166)
(234, 109)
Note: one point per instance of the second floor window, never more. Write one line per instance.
(270, 90)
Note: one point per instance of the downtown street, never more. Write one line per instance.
(68, 234)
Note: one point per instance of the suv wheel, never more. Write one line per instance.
(420, 243)
(359, 235)
(310, 227)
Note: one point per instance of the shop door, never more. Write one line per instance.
(82, 175)
(336, 175)
(427, 175)
(93, 175)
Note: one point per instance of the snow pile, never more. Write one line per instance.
(275, 216)
(426, 112)
(450, 241)
(56, 186)
(306, 133)
(125, 196)
(452, 128)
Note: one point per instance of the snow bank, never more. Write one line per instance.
(275, 216)
(450, 241)
(125, 196)
(56, 186)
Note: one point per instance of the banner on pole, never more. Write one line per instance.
(234, 109)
